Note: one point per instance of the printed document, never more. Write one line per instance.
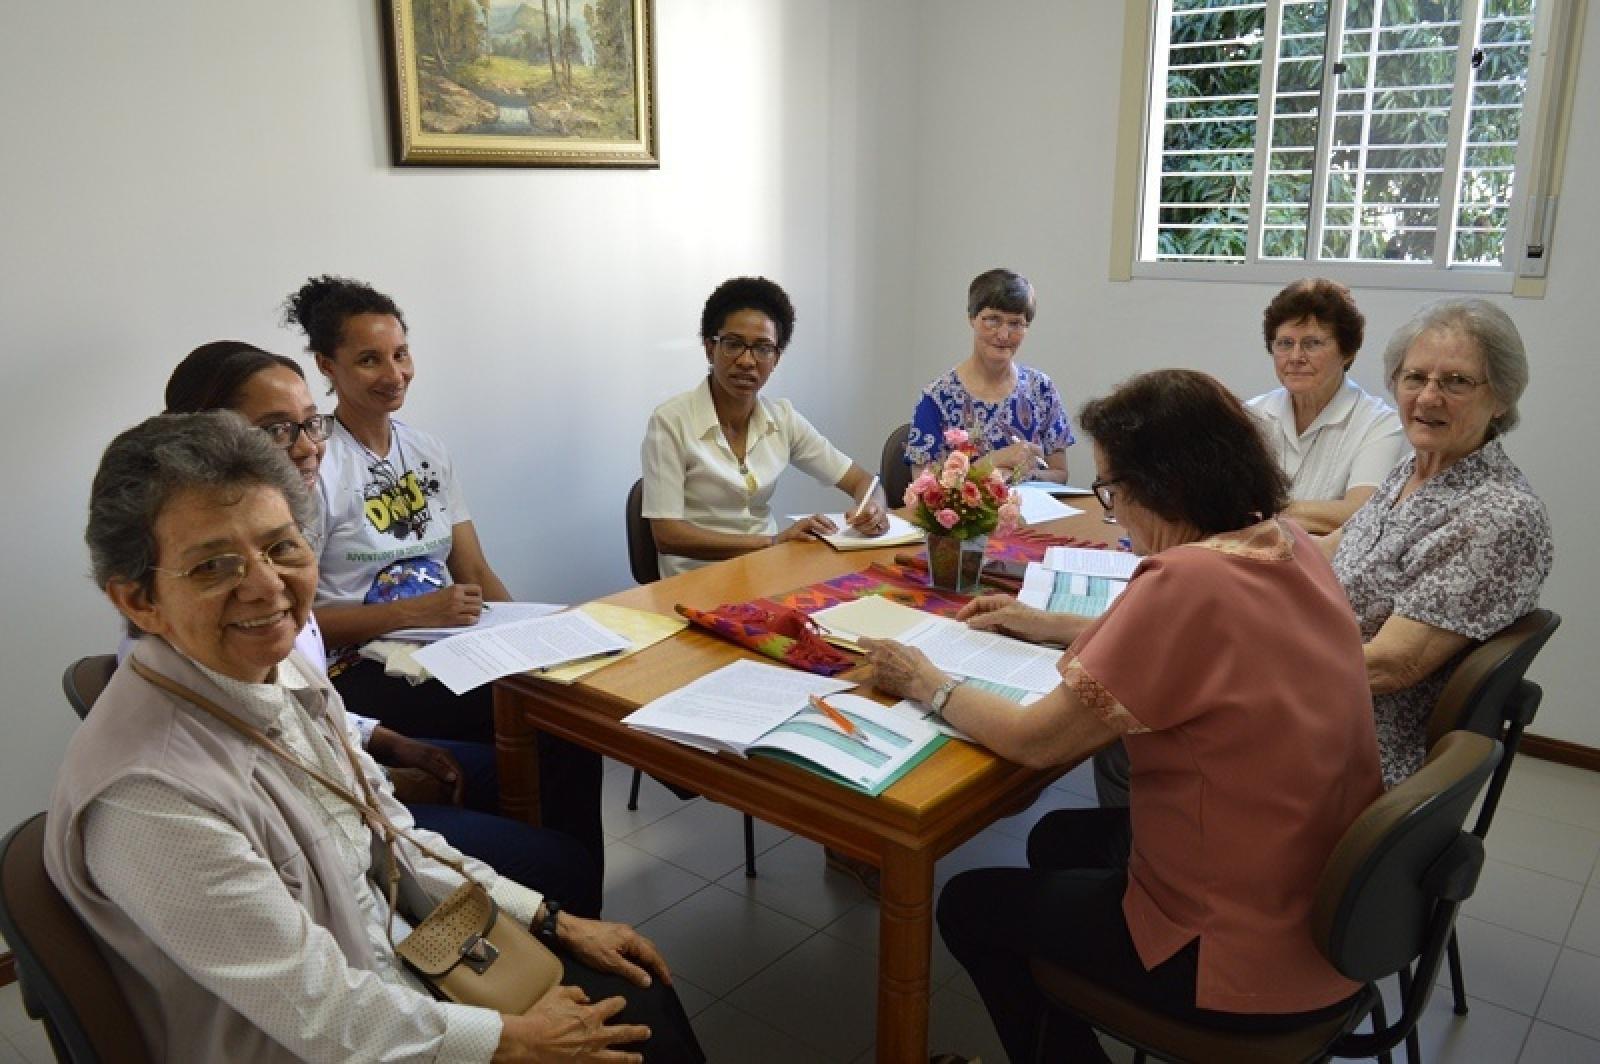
(733, 707)
(1053, 592)
(493, 615)
(480, 655)
(1112, 564)
(955, 648)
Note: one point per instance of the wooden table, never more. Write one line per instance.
(946, 800)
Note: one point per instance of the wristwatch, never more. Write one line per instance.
(546, 928)
(942, 695)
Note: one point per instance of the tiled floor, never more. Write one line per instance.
(781, 968)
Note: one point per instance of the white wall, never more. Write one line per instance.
(173, 169)
(1016, 135)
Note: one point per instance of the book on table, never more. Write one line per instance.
(752, 709)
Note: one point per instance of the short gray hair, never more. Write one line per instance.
(1505, 361)
(150, 463)
(1001, 290)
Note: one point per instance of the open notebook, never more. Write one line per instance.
(901, 533)
(751, 709)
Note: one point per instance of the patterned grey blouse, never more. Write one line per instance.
(1466, 552)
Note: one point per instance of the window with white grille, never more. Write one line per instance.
(1381, 133)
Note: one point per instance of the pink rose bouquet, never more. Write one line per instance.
(963, 497)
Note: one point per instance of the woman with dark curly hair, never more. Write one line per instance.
(398, 548)
(712, 455)
(1334, 441)
(1197, 900)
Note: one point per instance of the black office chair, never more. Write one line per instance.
(65, 979)
(85, 679)
(1387, 899)
(893, 473)
(1487, 694)
(646, 568)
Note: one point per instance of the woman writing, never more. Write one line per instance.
(1334, 441)
(270, 392)
(234, 890)
(1197, 900)
(1454, 545)
(712, 456)
(1012, 411)
(398, 548)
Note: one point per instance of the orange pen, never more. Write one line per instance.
(844, 723)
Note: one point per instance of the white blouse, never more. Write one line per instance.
(691, 474)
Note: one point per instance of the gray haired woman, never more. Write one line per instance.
(1454, 545)
(235, 897)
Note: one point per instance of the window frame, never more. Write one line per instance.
(1540, 151)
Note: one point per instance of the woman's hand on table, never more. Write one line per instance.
(563, 1026)
(902, 671)
(1004, 614)
(458, 605)
(811, 527)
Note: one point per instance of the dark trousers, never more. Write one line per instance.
(671, 1040)
(569, 775)
(1067, 906)
(547, 861)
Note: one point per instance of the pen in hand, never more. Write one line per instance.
(1040, 462)
(862, 505)
(840, 721)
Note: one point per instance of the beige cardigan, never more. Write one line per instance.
(138, 729)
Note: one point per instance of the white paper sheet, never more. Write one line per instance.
(478, 656)
(494, 614)
(1112, 564)
(733, 706)
(954, 647)
(1038, 505)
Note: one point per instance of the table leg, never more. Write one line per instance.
(516, 747)
(905, 928)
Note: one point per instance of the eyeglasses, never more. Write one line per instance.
(1102, 491)
(996, 323)
(224, 572)
(1308, 345)
(317, 428)
(735, 346)
(1455, 385)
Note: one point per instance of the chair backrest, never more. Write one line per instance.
(85, 679)
(1487, 680)
(66, 982)
(1391, 889)
(642, 558)
(893, 473)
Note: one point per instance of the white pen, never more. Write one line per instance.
(863, 504)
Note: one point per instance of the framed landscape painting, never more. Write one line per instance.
(523, 82)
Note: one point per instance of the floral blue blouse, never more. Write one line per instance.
(1033, 412)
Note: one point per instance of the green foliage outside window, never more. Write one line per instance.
(1384, 173)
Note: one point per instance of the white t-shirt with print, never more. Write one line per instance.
(386, 522)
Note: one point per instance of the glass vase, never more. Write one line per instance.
(956, 564)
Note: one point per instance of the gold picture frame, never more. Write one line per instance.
(522, 82)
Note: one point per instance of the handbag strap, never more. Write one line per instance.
(366, 805)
